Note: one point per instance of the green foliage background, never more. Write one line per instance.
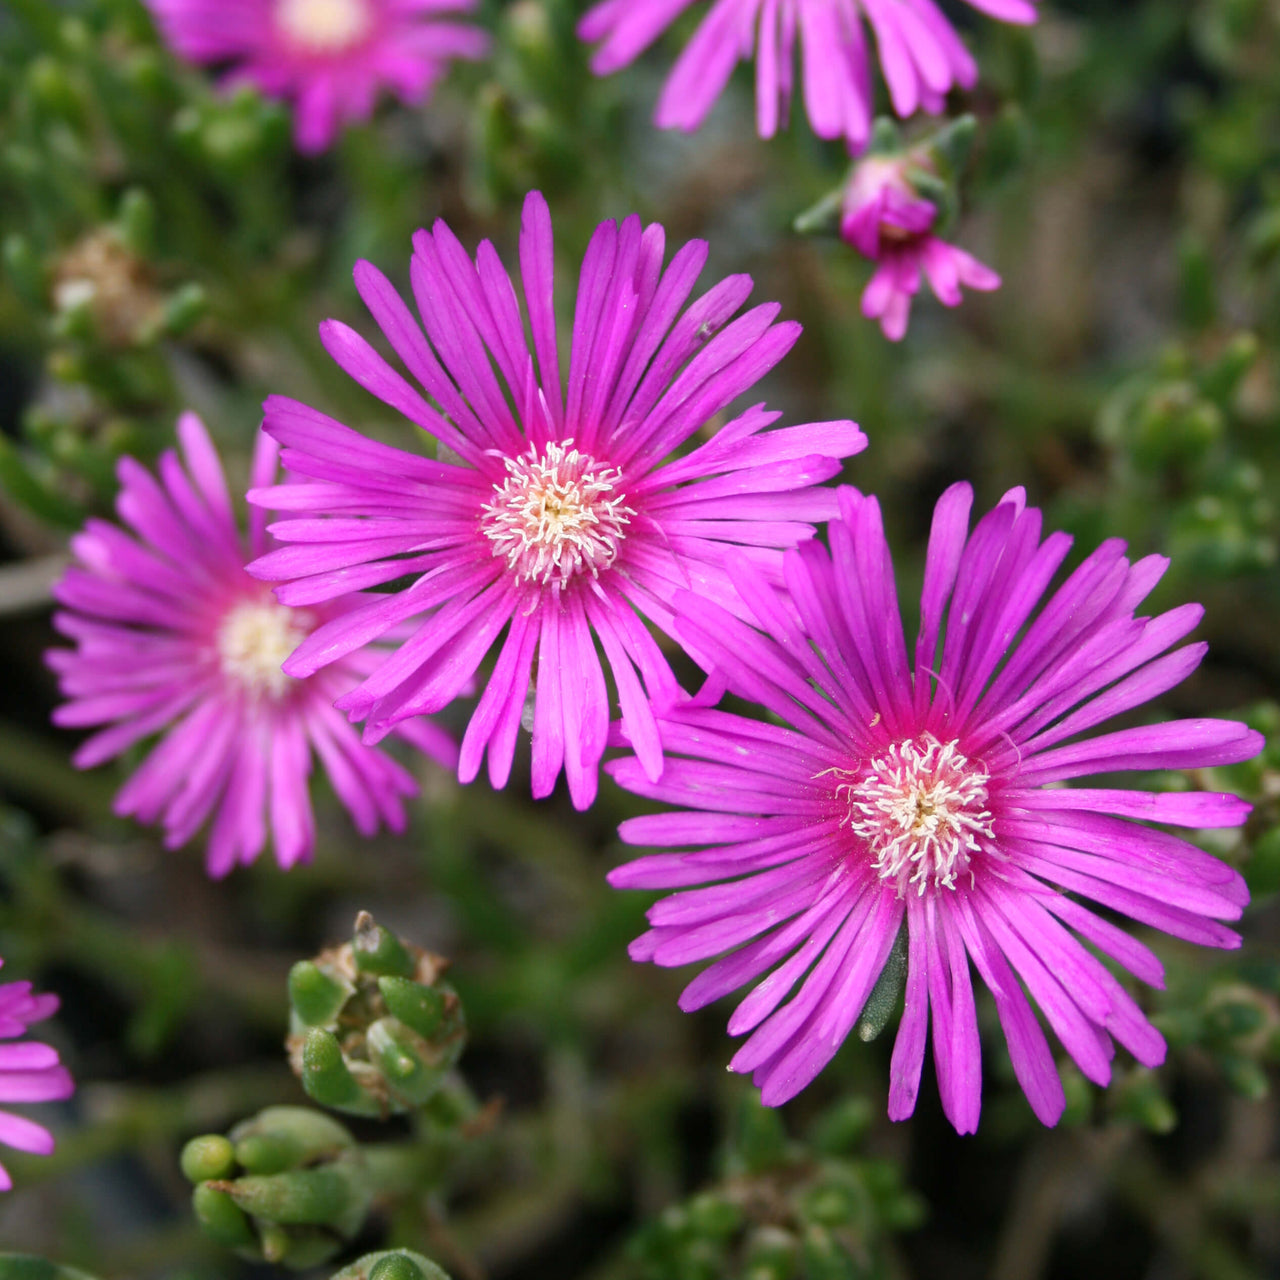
(1126, 184)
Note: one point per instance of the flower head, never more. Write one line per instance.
(926, 792)
(29, 1071)
(920, 54)
(329, 56)
(557, 516)
(174, 637)
(887, 221)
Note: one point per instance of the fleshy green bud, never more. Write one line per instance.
(373, 1030)
(332, 1195)
(285, 1137)
(317, 997)
(430, 1011)
(378, 950)
(210, 1156)
(397, 1264)
(883, 999)
(327, 1078)
(221, 1219)
(395, 1267)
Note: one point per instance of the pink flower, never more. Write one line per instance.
(29, 1071)
(548, 519)
(329, 56)
(174, 637)
(921, 56)
(886, 221)
(927, 793)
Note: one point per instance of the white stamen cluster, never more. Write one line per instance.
(556, 515)
(324, 26)
(921, 808)
(254, 640)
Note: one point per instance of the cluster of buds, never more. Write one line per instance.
(891, 209)
(289, 1186)
(373, 1030)
(785, 1210)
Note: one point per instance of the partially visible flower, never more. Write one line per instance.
(920, 54)
(885, 219)
(928, 794)
(29, 1071)
(559, 520)
(330, 57)
(174, 637)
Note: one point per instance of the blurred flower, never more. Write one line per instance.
(920, 54)
(934, 798)
(29, 1071)
(174, 636)
(555, 518)
(885, 219)
(329, 56)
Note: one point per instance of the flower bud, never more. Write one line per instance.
(398, 1264)
(210, 1156)
(303, 1190)
(372, 1028)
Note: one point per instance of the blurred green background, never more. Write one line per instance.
(1125, 182)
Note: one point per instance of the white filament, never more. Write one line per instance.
(556, 516)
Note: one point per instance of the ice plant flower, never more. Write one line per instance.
(174, 637)
(29, 1071)
(553, 517)
(921, 56)
(927, 791)
(884, 219)
(330, 57)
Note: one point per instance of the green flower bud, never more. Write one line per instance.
(210, 1156)
(397, 1264)
(220, 1218)
(378, 950)
(316, 996)
(372, 1029)
(327, 1078)
(883, 999)
(333, 1195)
(284, 1137)
(395, 1267)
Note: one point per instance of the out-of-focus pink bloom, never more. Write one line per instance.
(559, 512)
(29, 1071)
(886, 221)
(921, 56)
(329, 57)
(921, 791)
(174, 637)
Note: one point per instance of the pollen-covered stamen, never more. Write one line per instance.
(253, 642)
(921, 808)
(324, 26)
(556, 515)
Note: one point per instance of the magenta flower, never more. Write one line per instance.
(929, 792)
(885, 220)
(330, 57)
(29, 1071)
(920, 54)
(174, 637)
(558, 518)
